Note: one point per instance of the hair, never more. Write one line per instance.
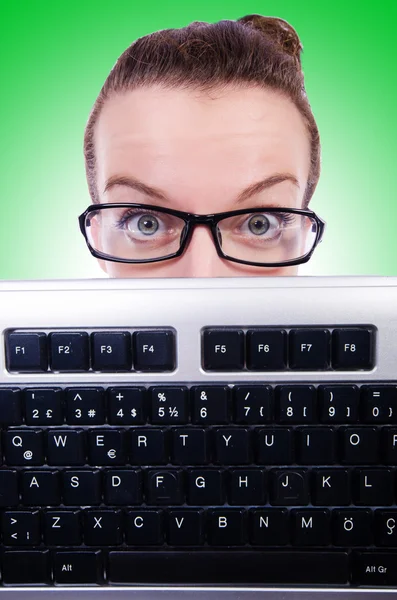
(251, 51)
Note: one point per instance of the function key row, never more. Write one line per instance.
(201, 405)
(278, 349)
(99, 351)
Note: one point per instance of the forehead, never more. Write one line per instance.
(181, 140)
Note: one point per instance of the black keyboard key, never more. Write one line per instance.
(247, 486)
(374, 569)
(111, 351)
(85, 406)
(10, 406)
(352, 348)
(205, 487)
(26, 352)
(168, 405)
(316, 446)
(378, 404)
(164, 487)
(373, 487)
(311, 527)
(62, 528)
(352, 527)
(126, 406)
(81, 488)
(360, 445)
(296, 404)
(26, 567)
(189, 446)
(253, 405)
(43, 406)
(185, 527)
(41, 488)
(24, 447)
(69, 351)
(8, 488)
(288, 487)
(210, 405)
(339, 403)
(232, 446)
(66, 447)
(154, 350)
(266, 350)
(309, 349)
(226, 527)
(78, 567)
(148, 447)
(385, 527)
(269, 527)
(223, 350)
(123, 487)
(144, 527)
(102, 528)
(331, 487)
(106, 447)
(274, 446)
(230, 567)
(21, 528)
(389, 445)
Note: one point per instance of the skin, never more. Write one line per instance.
(201, 151)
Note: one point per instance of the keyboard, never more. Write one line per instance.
(232, 437)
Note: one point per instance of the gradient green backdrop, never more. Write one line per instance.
(55, 56)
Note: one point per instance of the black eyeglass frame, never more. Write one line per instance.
(212, 220)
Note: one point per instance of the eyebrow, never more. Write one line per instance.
(254, 188)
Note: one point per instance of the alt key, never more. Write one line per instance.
(78, 567)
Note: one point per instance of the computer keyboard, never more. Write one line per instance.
(232, 437)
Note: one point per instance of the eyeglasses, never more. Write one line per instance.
(143, 233)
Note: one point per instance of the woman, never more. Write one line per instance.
(204, 120)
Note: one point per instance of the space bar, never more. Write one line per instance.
(228, 567)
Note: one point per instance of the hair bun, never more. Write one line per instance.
(279, 31)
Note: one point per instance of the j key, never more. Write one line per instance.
(205, 487)
(331, 487)
(253, 404)
(24, 447)
(102, 528)
(164, 487)
(316, 446)
(339, 403)
(232, 446)
(385, 527)
(106, 447)
(289, 487)
(66, 447)
(148, 447)
(78, 567)
(26, 567)
(226, 527)
(41, 488)
(311, 527)
(269, 527)
(85, 406)
(296, 404)
(123, 487)
(169, 405)
(352, 527)
(185, 527)
(10, 406)
(247, 486)
(8, 488)
(62, 528)
(378, 404)
(373, 487)
(189, 446)
(43, 406)
(274, 446)
(21, 528)
(81, 488)
(360, 445)
(126, 406)
(144, 527)
(210, 405)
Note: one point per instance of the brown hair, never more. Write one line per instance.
(254, 50)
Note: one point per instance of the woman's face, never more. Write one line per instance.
(200, 152)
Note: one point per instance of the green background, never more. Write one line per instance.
(55, 56)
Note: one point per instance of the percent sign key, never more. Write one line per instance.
(169, 405)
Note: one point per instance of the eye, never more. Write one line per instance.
(137, 221)
(259, 224)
